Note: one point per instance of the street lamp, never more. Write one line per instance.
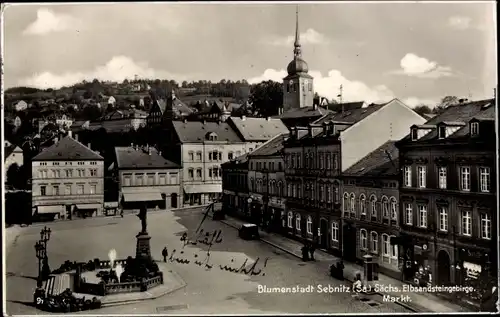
(45, 236)
(41, 252)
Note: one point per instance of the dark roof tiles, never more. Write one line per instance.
(67, 149)
(196, 132)
(353, 116)
(130, 158)
(258, 129)
(383, 161)
(271, 147)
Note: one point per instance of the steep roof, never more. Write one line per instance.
(177, 106)
(309, 112)
(271, 147)
(337, 107)
(67, 149)
(196, 132)
(9, 149)
(258, 129)
(240, 160)
(128, 157)
(353, 116)
(383, 161)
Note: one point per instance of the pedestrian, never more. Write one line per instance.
(164, 253)
(312, 248)
(121, 212)
(305, 255)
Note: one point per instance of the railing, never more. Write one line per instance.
(107, 264)
(92, 288)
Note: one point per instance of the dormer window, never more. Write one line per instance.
(474, 128)
(414, 134)
(442, 132)
(212, 136)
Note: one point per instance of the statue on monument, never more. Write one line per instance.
(143, 216)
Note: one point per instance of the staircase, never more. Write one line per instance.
(56, 284)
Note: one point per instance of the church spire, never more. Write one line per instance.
(297, 48)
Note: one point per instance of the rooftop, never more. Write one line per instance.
(67, 149)
(131, 158)
(383, 161)
(196, 132)
(337, 107)
(258, 129)
(309, 112)
(271, 147)
(353, 115)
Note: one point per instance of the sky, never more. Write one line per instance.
(416, 52)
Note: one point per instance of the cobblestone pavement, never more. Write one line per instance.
(418, 302)
(208, 291)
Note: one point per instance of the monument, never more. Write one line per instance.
(143, 248)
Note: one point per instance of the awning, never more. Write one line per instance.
(88, 206)
(50, 209)
(130, 197)
(203, 188)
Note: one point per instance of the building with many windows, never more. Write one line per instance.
(266, 176)
(235, 187)
(146, 178)
(370, 214)
(67, 180)
(448, 207)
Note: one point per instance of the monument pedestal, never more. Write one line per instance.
(143, 248)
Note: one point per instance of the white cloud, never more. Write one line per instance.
(117, 69)
(329, 86)
(415, 66)
(414, 101)
(460, 22)
(48, 21)
(308, 37)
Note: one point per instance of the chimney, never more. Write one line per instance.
(89, 146)
(185, 120)
(76, 136)
(149, 150)
(132, 145)
(70, 134)
(137, 147)
(204, 121)
(268, 118)
(56, 139)
(243, 118)
(159, 153)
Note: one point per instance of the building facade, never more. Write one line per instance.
(146, 178)
(13, 154)
(67, 180)
(312, 170)
(370, 214)
(266, 176)
(235, 191)
(448, 202)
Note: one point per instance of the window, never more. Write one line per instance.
(198, 173)
(220, 156)
(309, 225)
(362, 204)
(198, 156)
(81, 173)
(297, 222)
(329, 193)
(484, 177)
(346, 202)
(290, 219)
(335, 231)
(408, 214)
(442, 177)
(43, 190)
(485, 226)
(138, 180)
(230, 156)
(93, 172)
(162, 179)
(394, 209)
(67, 190)
(363, 238)
(407, 176)
(466, 223)
(442, 132)
(321, 193)
(422, 176)
(373, 206)
(173, 179)
(386, 245)
(191, 156)
(353, 203)
(422, 216)
(191, 173)
(465, 178)
(374, 240)
(443, 218)
(93, 188)
(414, 134)
(394, 250)
(126, 179)
(385, 207)
(151, 179)
(55, 190)
(474, 128)
(79, 189)
(69, 173)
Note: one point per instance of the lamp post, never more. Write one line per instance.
(41, 252)
(45, 236)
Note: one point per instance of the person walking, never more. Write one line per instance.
(305, 255)
(121, 212)
(164, 253)
(312, 248)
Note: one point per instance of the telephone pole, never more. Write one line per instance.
(340, 98)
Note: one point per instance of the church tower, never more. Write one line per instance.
(298, 85)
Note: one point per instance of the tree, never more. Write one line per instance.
(445, 103)
(12, 174)
(422, 109)
(267, 97)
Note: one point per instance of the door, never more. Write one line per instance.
(173, 200)
(349, 243)
(443, 274)
(323, 224)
